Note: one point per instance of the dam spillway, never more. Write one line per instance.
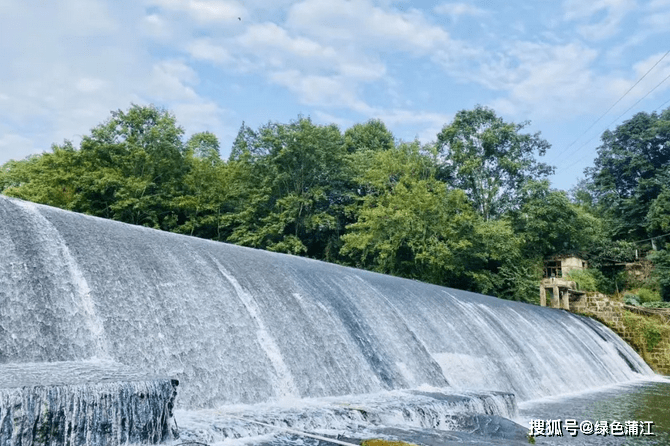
(236, 325)
(83, 402)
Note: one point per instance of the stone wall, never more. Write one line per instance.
(606, 310)
(647, 331)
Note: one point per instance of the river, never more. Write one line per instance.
(645, 401)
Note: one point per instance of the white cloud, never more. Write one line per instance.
(98, 17)
(325, 53)
(200, 115)
(403, 117)
(157, 27)
(326, 75)
(459, 9)
(366, 25)
(273, 47)
(584, 11)
(427, 123)
(322, 91)
(13, 146)
(169, 79)
(269, 36)
(544, 80)
(89, 85)
(205, 49)
(61, 79)
(657, 20)
(328, 118)
(658, 74)
(554, 81)
(206, 11)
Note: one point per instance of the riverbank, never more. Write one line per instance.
(645, 330)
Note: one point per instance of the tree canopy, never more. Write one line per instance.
(472, 210)
(490, 159)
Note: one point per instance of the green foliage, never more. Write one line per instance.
(587, 279)
(646, 295)
(371, 136)
(631, 299)
(49, 178)
(645, 332)
(474, 211)
(656, 304)
(295, 191)
(603, 251)
(490, 159)
(518, 280)
(209, 195)
(550, 224)
(204, 145)
(643, 297)
(134, 168)
(630, 175)
(658, 216)
(661, 261)
(409, 224)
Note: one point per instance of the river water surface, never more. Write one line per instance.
(648, 401)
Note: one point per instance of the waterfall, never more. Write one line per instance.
(237, 325)
(82, 402)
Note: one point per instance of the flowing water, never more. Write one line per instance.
(645, 401)
(83, 402)
(238, 326)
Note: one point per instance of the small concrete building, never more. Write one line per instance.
(559, 266)
(554, 284)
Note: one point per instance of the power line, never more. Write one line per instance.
(612, 106)
(639, 100)
(651, 238)
(615, 120)
(662, 105)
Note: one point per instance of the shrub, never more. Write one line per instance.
(631, 299)
(661, 261)
(646, 295)
(656, 305)
(587, 279)
(646, 332)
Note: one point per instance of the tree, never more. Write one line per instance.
(204, 145)
(209, 190)
(550, 224)
(296, 197)
(49, 178)
(409, 225)
(371, 136)
(136, 166)
(490, 159)
(661, 261)
(129, 168)
(658, 216)
(629, 173)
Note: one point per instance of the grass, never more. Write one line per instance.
(646, 332)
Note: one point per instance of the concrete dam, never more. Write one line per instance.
(87, 304)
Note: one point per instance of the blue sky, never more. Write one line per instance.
(216, 63)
